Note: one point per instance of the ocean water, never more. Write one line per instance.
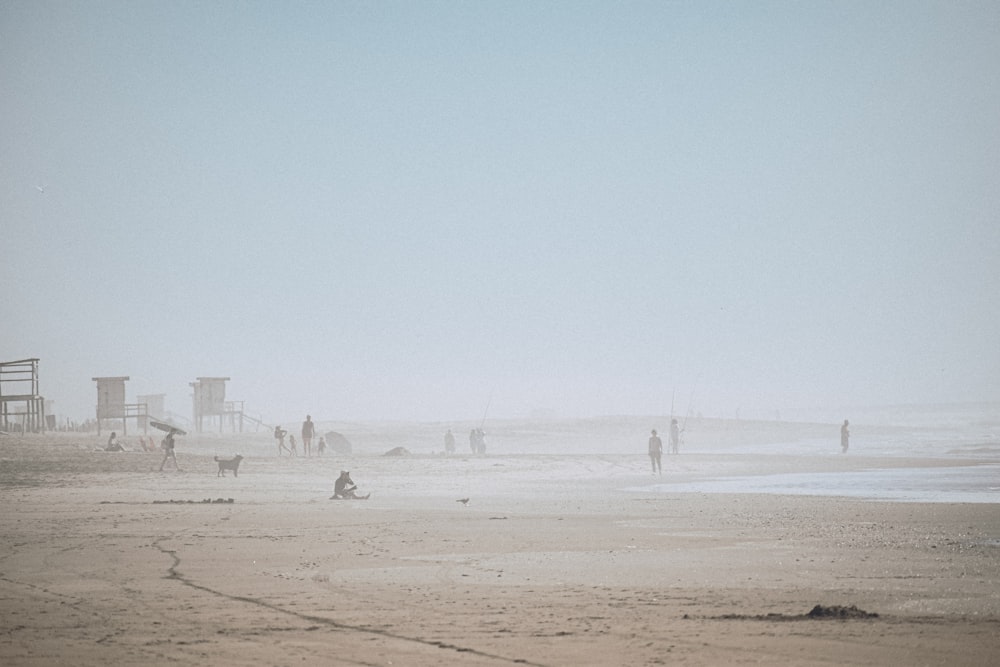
(963, 439)
(947, 484)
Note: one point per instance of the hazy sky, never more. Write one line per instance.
(398, 210)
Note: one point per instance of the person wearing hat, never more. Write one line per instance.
(655, 451)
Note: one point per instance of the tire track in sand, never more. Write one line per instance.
(174, 574)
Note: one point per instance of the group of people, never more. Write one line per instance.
(656, 446)
(167, 445)
(116, 445)
(308, 432)
(477, 441)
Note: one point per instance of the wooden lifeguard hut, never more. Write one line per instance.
(155, 404)
(111, 404)
(210, 401)
(20, 397)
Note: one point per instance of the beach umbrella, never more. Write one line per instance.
(164, 425)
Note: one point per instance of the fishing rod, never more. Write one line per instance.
(486, 411)
(690, 403)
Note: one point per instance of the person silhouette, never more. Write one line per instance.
(279, 435)
(675, 437)
(655, 451)
(113, 444)
(168, 450)
(308, 430)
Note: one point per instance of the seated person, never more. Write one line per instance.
(113, 444)
(344, 488)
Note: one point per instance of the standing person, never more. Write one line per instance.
(321, 447)
(292, 450)
(655, 450)
(675, 437)
(472, 441)
(845, 436)
(279, 435)
(168, 450)
(449, 442)
(308, 430)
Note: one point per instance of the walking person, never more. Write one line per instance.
(168, 450)
(655, 451)
(279, 435)
(845, 436)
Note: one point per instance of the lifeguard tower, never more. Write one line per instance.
(20, 398)
(154, 407)
(210, 401)
(111, 404)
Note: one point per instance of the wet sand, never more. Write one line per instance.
(552, 562)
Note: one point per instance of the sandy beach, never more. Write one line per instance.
(559, 557)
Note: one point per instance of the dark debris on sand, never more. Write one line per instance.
(209, 501)
(817, 612)
(836, 611)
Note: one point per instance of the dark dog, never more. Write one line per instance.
(232, 464)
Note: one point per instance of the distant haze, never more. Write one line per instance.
(421, 210)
